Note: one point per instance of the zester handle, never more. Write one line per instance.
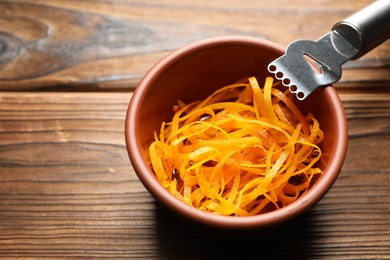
(367, 28)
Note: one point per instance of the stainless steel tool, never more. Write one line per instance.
(307, 65)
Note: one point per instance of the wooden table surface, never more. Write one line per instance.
(67, 188)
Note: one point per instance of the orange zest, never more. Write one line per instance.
(244, 150)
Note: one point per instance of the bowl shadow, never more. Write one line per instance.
(178, 239)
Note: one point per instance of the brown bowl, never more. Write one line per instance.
(193, 72)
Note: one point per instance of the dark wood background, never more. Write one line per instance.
(67, 188)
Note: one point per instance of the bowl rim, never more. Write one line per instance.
(148, 179)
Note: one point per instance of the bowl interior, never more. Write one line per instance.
(195, 71)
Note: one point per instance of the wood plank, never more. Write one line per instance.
(109, 45)
(68, 189)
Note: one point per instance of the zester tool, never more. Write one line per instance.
(307, 65)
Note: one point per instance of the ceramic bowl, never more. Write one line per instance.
(193, 72)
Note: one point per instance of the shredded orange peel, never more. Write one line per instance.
(241, 151)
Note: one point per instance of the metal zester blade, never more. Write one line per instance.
(307, 65)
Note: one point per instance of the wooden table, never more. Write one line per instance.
(67, 188)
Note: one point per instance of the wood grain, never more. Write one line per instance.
(91, 45)
(68, 190)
